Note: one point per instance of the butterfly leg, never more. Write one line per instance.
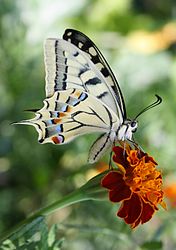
(110, 158)
(136, 145)
(123, 144)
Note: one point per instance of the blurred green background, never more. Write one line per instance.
(138, 38)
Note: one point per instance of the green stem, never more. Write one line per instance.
(92, 190)
(74, 197)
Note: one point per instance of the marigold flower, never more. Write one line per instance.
(137, 184)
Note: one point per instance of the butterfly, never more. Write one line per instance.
(82, 96)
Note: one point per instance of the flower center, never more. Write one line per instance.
(142, 177)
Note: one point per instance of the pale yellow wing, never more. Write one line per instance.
(69, 67)
(70, 113)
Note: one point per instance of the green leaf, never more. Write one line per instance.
(8, 245)
(53, 243)
(58, 244)
(152, 245)
(52, 235)
(33, 235)
(27, 235)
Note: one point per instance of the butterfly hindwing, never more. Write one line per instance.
(70, 113)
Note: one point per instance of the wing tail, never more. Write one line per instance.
(37, 125)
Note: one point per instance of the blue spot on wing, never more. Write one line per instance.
(59, 128)
(64, 108)
(83, 96)
(50, 131)
(75, 102)
(49, 122)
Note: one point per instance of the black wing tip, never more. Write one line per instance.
(77, 33)
(71, 30)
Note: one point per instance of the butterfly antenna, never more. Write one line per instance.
(152, 105)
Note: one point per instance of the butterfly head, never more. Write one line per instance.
(131, 127)
(133, 124)
(126, 130)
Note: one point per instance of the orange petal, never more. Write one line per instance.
(133, 158)
(163, 204)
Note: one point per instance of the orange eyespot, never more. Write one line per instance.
(56, 140)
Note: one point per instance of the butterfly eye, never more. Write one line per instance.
(133, 124)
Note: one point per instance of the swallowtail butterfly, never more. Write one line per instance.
(82, 96)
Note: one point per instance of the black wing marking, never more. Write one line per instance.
(85, 44)
(70, 113)
(99, 147)
(69, 67)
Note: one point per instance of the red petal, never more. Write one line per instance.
(118, 150)
(147, 212)
(131, 209)
(113, 180)
(146, 215)
(120, 156)
(136, 223)
(120, 193)
(150, 159)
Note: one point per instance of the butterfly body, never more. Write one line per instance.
(82, 96)
(126, 130)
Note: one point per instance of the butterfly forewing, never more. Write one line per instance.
(85, 44)
(69, 67)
